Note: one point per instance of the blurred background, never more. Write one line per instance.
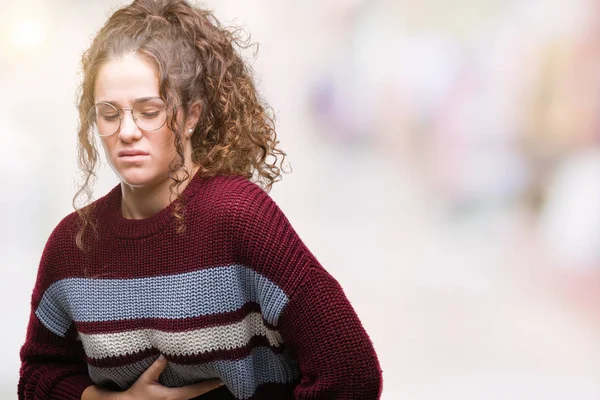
(446, 170)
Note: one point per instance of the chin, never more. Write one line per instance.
(137, 178)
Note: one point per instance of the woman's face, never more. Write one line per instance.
(120, 82)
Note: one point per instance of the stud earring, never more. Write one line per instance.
(190, 130)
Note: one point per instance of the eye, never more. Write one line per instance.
(150, 114)
(110, 117)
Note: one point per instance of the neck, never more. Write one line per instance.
(144, 202)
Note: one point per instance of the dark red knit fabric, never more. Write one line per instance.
(230, 221)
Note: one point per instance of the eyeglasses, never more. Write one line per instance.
(149, 114)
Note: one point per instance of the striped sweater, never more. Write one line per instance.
(236, 296)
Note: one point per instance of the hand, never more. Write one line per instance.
(147, 386)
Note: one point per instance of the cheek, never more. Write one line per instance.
(106, 145)
(165, 143)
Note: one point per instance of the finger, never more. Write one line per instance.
(191, 391)
(153, 371)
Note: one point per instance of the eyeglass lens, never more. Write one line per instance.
(148, 114)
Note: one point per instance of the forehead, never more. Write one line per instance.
(122, 80)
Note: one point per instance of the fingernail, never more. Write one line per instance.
(222, 383)
(161, 357)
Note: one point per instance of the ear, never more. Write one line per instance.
(193, 117)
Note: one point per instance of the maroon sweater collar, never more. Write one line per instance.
(111, 217)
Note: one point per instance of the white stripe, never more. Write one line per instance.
(223, 337)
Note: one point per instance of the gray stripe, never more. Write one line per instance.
(241, 377)
(53, 317)
(186, 295)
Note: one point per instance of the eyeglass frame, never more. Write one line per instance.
(122, 115)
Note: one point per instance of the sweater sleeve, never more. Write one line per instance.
(52, 366)
(336, 357)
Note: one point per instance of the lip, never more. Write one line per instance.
(132, 153)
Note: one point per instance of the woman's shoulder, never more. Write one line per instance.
(233, 185)
(65, 231)
(229, 192)
(235, 201)
(238, 202)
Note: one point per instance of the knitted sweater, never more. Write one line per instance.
(236, 296)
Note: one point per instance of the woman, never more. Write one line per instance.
(186, 278)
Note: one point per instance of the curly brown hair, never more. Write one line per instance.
(195, 60)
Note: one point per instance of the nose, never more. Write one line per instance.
(129, 131)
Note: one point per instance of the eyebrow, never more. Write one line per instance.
(139, 99)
